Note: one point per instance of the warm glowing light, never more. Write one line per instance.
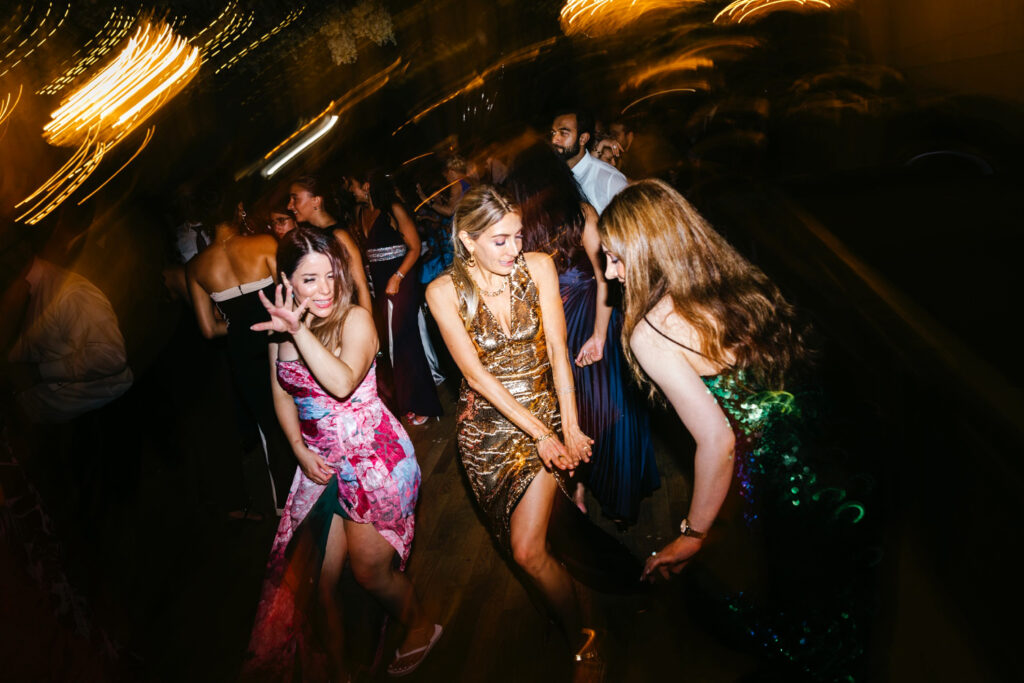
(6, 107)
(740, 10)
(335, 109)
(530, 52)
(116, 27)
(292, 16)
(427, 200)
(145, 141)
(605, 17)
(152, 68)
(655, 94)
(297, 149)
(42, 30)
(420, 156)
(701, 54)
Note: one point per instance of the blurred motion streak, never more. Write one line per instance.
(420, 156)
(605, 17)
(336, 108)
(655, 94)
(292, 16)
(40, 28)
(427, 200)
(145, 141)
(740, 10)
(328, 123)
(6, 107)
(115, 28)
(153, 67)
(475, 81)
(700, 55)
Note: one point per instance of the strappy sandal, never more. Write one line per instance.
(394, 669)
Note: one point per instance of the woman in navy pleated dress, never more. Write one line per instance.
(612, 410)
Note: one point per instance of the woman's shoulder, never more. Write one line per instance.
(441, 284)
(538, 261)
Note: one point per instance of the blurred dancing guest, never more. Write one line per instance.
(354, 494)
(556, 220)
(499, 312)
(392, 247)
(281, 219)
(571, 133)
(710, 332)
(224, 283)
(312, 202)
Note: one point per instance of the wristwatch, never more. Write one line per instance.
(686, 530)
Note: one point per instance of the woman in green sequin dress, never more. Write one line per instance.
(716, 337)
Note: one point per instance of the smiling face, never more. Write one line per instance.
(314, 279)
(303, 203)
(496, 248)
(615, 269)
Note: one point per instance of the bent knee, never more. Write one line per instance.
(372, 577)
(531, 556)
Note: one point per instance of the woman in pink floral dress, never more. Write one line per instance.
(354, 494)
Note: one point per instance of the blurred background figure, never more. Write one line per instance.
(556, 221)
(312, 201)
(572, 131)
(392, 247)
(224, 281)
(281, 219)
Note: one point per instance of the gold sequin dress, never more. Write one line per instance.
(500, 459)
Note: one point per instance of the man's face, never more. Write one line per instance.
(564, 137)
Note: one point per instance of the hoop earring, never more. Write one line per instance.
(471, 261)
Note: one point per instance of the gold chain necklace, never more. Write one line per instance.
(499, 290)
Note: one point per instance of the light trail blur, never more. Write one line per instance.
(595, 18)
(740, 10)
(151, 69)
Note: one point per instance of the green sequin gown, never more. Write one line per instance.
(786, 569)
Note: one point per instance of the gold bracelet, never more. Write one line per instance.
(546, 435)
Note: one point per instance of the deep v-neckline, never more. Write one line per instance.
(507, 334)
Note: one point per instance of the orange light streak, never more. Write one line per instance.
(740, 10)
(409, 161)
(454, 182)
(655, 94)
(474, 82)
(7, 108)
(145, 141)
(605, 17)
(154, 65)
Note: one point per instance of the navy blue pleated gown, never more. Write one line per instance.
(612, 410)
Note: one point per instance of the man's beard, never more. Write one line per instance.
(568, 152)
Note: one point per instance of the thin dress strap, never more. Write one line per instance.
(677, 343)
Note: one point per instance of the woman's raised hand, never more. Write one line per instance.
(285, 316)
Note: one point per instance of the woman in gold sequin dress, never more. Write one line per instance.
(500, 314)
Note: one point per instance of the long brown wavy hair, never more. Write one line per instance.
(294, 247)
(668, 249)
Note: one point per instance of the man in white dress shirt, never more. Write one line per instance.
(571, 133)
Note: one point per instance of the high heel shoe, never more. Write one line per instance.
(415, 419)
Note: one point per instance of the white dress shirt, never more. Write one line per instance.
(71, 334)
(598, 181)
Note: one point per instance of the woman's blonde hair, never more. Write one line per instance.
(479, 209)
(297, 245)
(668, 249)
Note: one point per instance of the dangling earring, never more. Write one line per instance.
(471, 262)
